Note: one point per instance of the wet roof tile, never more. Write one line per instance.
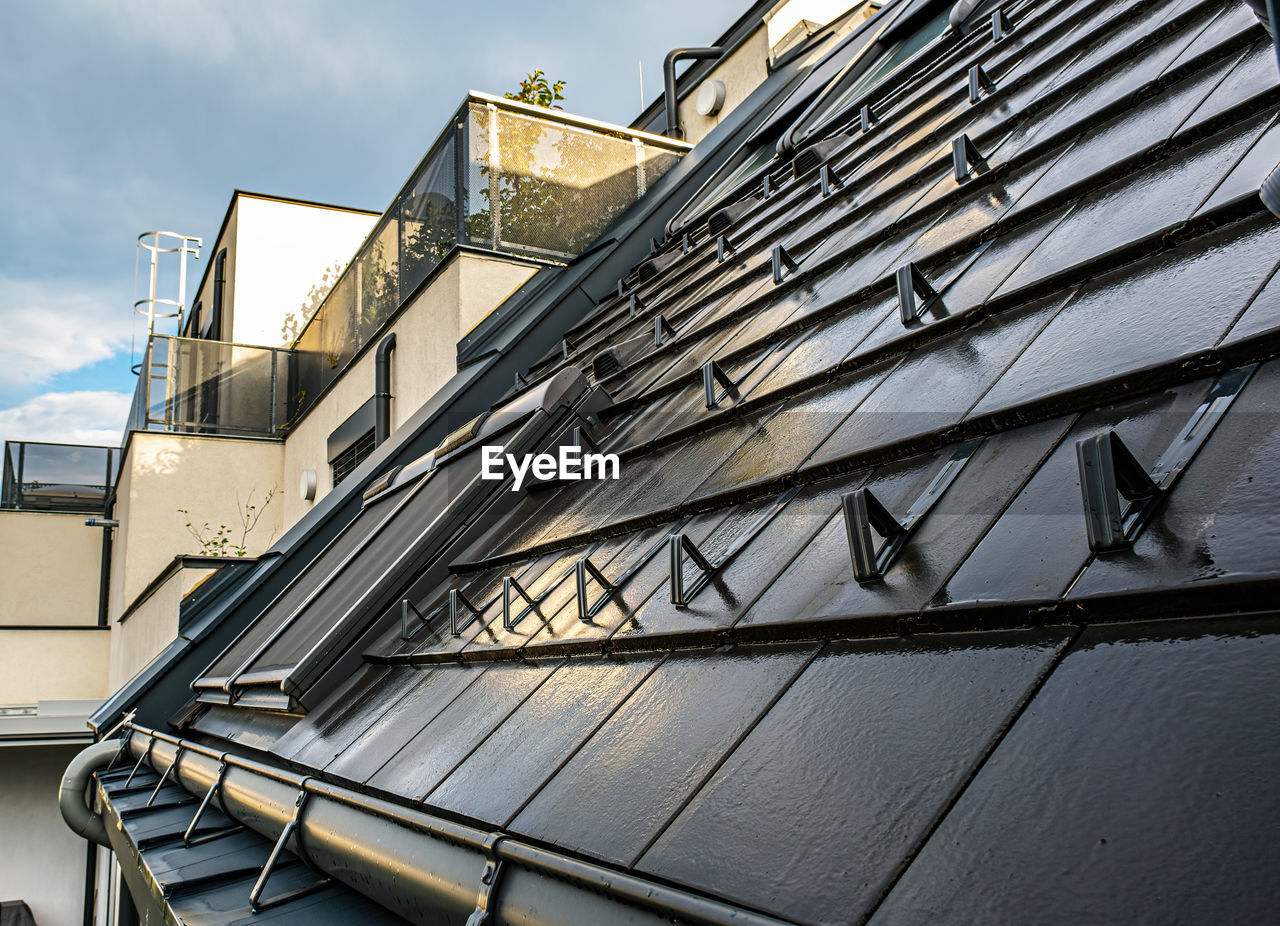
(512, 764)
(620, 789)
(890, 729)
(1128, 790)
(1216, 525)
(1039, 544)
(1108, 264)
(1109, 328)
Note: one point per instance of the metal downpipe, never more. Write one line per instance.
(104, 574)
(71, 797)
(382, 389)
(669, 81)
(425, 868)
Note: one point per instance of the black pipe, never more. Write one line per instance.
(104, 575)
(382, 389)
(90, 876)
(669, 77)
(213, 329)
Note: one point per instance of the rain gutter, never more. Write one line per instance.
(422, 867)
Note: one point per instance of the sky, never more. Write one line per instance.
(125, 116)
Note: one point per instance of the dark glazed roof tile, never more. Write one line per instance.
(376, 742)
(511, 765)
(1217, 525)
(1136, 207)
(788, 738)
(1132, 789)
(844, 774)
(620, 789)
(1262, 316)
(1252, 76)
(937, 385)
(819, 584)
(1039, 544)
(1246, 178)
(439, 747)
(1110, 327)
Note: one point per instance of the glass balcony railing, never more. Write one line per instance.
(72, 478)
(191, 386)
(504, 177)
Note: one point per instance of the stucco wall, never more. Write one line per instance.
(212, 477)
(49, 568)
(41, 860)
(743, 71)
(282, 250)
(150, 626)
(466, 290)
(205, 294)
(52, 665)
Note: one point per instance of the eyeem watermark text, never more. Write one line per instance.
(569, 463)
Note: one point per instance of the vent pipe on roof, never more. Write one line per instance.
(960, 12)
(1270, 192)
(382, 389)
(669, 78)
(1269, 12)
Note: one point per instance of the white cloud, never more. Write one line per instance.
(283, 50)
(52, 327)
(90, 417)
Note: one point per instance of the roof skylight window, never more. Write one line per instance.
(865, 71)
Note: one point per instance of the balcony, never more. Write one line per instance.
(68, 478)
(504, 177)
(191, 386)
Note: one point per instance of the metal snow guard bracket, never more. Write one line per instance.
(1109, 470)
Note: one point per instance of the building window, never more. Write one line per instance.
(353, 456)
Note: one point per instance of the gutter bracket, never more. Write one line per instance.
(146, 753)
(216, 788)
(165, 777)
(256, 904)
(490, 880)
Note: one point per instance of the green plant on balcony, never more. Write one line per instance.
(222, 541)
